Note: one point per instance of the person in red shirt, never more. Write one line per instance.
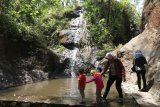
(82, 84)
(99, 84)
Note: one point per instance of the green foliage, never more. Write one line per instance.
(60, 49)
(7, 25)
(119, 46)
(33, 19)
(109, 21)
(105, 48)
(132, 13)
(100, 34)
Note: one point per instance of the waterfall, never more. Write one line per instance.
(75, 33)
(71, 2)
(71, 37)
(73, 63)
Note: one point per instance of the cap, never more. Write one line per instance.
(109, 56)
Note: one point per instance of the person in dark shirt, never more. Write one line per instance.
(139, 62)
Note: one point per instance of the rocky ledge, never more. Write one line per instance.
(144, 99)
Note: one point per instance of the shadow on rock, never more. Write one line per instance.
(150, 84)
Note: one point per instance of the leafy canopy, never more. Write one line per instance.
(33, 19)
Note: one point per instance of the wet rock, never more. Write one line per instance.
(44, 105)
(68, 39)
(25, 105)
(13, 104)
(70, 45)
(72, 14)
(24, 61)
(36, 104)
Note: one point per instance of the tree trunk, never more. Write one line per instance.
(109, 4)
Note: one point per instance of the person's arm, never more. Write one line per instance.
(145, 63)
(133, 61)
(124, 75)
(105, 67)
(92, 79)
(123, 70)
(79, 81)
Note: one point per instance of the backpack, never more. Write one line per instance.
(138, 61)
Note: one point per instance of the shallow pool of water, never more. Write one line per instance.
(59, 91)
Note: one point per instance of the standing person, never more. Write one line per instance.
(139, 62)
(81, 85)
(116, 73)
(99, 84)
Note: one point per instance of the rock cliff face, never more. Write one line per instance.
(149, 42)
(24, 61)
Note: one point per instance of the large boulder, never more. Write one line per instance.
(25, 61)
(149, 42)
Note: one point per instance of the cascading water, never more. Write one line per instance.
(76, 31)
(71, 2)
(74, 34)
